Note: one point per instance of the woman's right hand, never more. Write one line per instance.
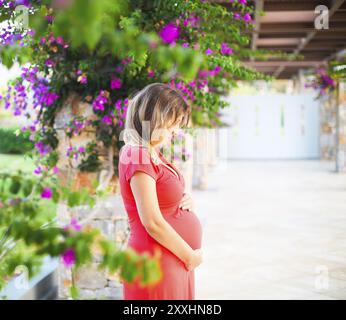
(195, 260)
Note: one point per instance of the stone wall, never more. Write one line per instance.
(108, 215)
(328, 126)
(341, 128)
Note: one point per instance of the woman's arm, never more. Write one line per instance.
(144, 191)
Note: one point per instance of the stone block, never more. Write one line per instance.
(90, 277)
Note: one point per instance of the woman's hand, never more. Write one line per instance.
(195, 260)
(186, 202)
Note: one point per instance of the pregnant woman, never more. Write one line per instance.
(161, 215)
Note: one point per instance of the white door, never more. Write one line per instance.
(271, 126)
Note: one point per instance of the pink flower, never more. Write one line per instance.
(60, 40)
(247, 17)
(107, 120)
(208, 52)
(49, 62)
(55, 169)
(81, 149)
(151, 74)
(169, 33)
(196, 46)
(47, 193)
(100, 101)
(38, 170)
(185, 45)
(115, 83)
(73, 225)
(225, 49)
(83, 79)
(69, 257)
(243, 2)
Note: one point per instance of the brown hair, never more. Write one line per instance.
(156, 105)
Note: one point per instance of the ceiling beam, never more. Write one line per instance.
(292, 5)
(285, 63)
(336, 4)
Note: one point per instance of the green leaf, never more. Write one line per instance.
(73, 199)
(74, 292)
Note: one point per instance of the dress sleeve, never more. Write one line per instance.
(140, 160)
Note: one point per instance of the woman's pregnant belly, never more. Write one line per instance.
(184, 222)
(188, 226)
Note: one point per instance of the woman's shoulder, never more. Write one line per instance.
(136, 154)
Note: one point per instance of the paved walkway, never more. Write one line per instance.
(273, 230)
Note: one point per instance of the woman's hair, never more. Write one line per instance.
(155, 107)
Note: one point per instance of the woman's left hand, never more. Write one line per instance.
(186, 202)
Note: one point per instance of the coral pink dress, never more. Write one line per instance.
(177, 283)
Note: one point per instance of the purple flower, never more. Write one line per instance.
(243, 2)
(60, 40)
(49, 63)
(225, 49)
(69, 257)
(185, 45)
(47, 193)
(73, 225)
(50, 98)
(100, 101)
(42, 148)
(151, 74)
(81, 149)
(115, 83)
(169, 33)
(208, 52)
(215, 71)
(247, 17)
(107, 120)
(83, 79)
(38, 170)
(55, 170)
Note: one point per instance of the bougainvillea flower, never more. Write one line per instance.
(69, 257)
(115, 83)
(46, 193)
(208, 52)
(225, 49)
(169, 33)
(42, 148)
(38, 170)
(151, 73)
(236, 16)
(100, 101)
(83, 79)
(247, 17)
(74, 225)
(81, 149)
(107, 120)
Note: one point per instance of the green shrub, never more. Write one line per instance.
(10, 143)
